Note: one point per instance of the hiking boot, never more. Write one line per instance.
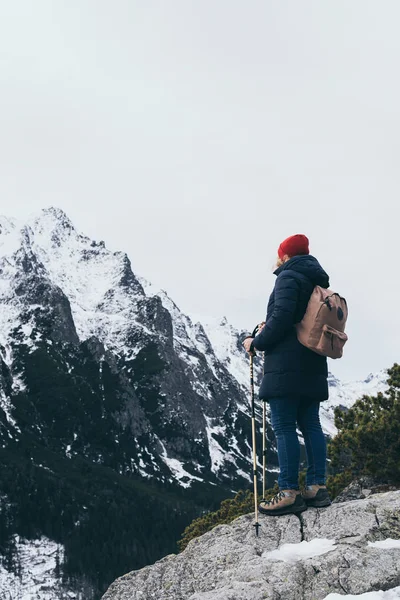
(286, 502)
(316, 496)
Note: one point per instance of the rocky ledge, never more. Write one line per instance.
(352, 547)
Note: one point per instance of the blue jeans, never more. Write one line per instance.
(286, 415)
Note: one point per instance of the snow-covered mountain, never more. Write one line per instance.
(59, 287)
(105, 382)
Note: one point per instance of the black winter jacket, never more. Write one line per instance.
(291, 369)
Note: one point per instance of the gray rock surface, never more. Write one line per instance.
(362, 487)
(230, 563)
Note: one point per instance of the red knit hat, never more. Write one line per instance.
(293, 246)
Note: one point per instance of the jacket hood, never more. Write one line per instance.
(308, 266)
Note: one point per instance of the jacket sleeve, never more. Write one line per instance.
(278, 325)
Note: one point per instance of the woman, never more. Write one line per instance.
(295, 380)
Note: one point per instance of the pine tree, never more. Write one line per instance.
(368, 442)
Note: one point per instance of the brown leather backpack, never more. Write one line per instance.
(322, 328)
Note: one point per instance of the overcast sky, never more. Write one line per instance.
(196, 135)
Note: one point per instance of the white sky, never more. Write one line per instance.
(197, 135)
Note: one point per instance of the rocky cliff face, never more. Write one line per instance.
(351, 547)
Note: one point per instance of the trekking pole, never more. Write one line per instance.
(264, 448)
(253, 427)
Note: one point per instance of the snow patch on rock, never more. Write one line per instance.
(295, 552)
(385, 544)
(393, 594)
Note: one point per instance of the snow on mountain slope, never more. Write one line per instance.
(219, 347)
(37, 572)
(190, 340)
(10, 244)
(103, 293)
(346, 393)
(225, 340)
